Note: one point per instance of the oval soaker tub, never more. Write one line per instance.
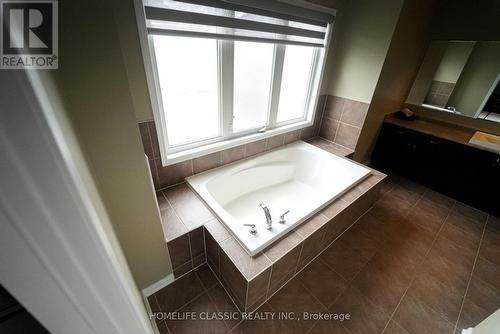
(298, 177)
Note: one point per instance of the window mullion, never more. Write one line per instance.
(226, 65)
(279, 58)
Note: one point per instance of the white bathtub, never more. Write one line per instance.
(298, 177)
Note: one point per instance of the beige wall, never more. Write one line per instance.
(407, 49)
(124, 13)
(453, 61)
(363, 32)
(477, 79)
(92, 82)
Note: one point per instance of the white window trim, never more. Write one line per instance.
(227, 139)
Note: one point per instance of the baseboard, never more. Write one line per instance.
(148, 291)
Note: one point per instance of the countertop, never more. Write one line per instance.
(451, 132)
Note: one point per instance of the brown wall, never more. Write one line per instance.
(407, 49)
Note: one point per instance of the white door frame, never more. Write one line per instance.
(58, 254)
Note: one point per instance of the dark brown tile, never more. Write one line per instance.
(347, 135)
(172, 225)
(334, 106)
(233, 280)
(366, 317)
(274, 142)
(154, 173)
(199, 260)
(197, 242)
(257, 289)
(188, 207)
(312, 246)
(146, 139)
(179, 250)
(384, 280)
(154, 139)
(232, 154)
(490, 246)
(468, 239)
(416, 317)
(249, 266)
(201, 304)
(282, 246)
(354, 112)
(173, 174)
(449, 264)
(394, 328)
(410, 242)
(267, 325)
(483, 295)
(408, 191)
(283, 269)
(428, 216)
(206, 162)
(329, 128)
(470, 212)
(212, 248)
(338, 224)
(162, 328)
(183, 269)
(178, 293)
(391, 207)
(179, 194)
(435, 198)
(487, 272)
(471, 315)
(328, 327)
(217, 230)
(223, 303)
(294, 298)
(334, 209)
(379, 224)
(162, 201)
(206, 277)
(322, 282)
(155, 309)
(255, 148)
(444, 299)
(350, 253)
(468, 225)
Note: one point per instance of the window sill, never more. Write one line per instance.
(192, 153)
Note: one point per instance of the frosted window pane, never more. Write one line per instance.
(295, 81)
(187, 69)
(252, 81)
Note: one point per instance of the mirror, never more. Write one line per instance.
(461, 77)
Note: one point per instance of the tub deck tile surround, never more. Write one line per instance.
(408, 275)
(182, 211)
(251, 280)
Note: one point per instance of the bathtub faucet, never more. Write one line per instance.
(269, 220)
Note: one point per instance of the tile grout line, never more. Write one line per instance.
(312, 259)
(423, 258)
(471, 274)
(322, 116)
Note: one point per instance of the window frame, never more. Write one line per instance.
(225, 57)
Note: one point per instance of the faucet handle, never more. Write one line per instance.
(282, 217)
(253, 229)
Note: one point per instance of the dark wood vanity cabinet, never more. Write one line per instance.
(460, 171)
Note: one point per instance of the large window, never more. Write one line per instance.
(233, 75)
